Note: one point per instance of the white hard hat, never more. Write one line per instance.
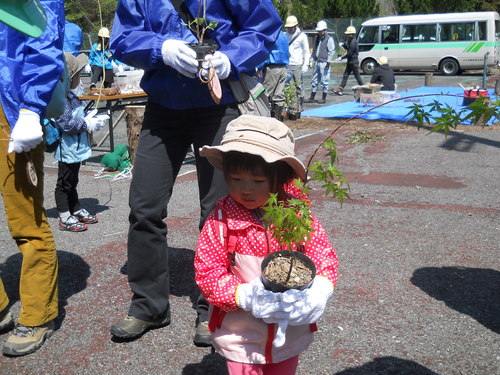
(104, 32)
(291, 21)
(321, 26)
(382, 60)
(350, 30)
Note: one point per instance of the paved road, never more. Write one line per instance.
(418, 245)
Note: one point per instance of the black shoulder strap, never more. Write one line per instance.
(293, 39)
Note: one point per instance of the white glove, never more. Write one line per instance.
(179, 56)
(255, 298)
(121, 68)
(311, 305)
(220, 62)
(339, 58)
(304, 68)
(27, 132)
(95, 122)
(87, 69)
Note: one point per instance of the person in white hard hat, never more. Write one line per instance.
(101, 60)
(298, 48)
(384, 75)
(351, 46)
(322, 55)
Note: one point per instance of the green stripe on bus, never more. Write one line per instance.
(465, 45)
(478, 46)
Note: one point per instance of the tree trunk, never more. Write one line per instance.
(134, 115)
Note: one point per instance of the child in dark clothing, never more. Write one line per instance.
(74, 148)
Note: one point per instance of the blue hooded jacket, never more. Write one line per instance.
(246, 32)
(30, 67)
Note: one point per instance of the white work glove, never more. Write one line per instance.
(254, 297)
(310, 303)
(304, 68)
(220, 62)
(27, 132)
(179, 56)
(87, 69)
(95, 122)
(121, 68)
(339, 58)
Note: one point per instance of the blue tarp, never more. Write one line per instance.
(397, 110)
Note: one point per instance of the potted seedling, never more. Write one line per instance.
(199, 26)
(290, 223)
(291, 101)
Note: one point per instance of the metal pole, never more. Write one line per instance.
(485, 69)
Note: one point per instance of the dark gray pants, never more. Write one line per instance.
(164, 141)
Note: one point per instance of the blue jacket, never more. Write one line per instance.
(75, 145)
(30, 67)
(245, 33)
(73, 38)
(279, 53)
(97, 57)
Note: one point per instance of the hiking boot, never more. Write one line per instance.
(5, 319)
(322, 100)
(311, 98)
(131, 327)
(25, 340)
(72, 224)
(202, 337)
(84, 216)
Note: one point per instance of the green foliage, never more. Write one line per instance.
(290, 222)
(291, 100)
(479, 112)
(91, 15)
(199, 25)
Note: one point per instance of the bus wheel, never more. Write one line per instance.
(368, 66)
(449, 67)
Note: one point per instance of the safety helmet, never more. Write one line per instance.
(103, 32)
(291, 21)
(382, 60)
(350, 30)
(321, 26)
(26, 16)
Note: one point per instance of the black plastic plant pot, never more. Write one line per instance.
(300, 261)
(202, 50)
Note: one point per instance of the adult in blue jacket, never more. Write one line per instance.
(73, 38)
(31, 68)
(154, 36)
(274, 75)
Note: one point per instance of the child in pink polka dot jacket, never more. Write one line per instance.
(257, 331)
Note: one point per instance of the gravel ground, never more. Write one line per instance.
(418, 244)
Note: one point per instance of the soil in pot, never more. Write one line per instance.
(276, 274)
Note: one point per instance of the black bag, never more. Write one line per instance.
(52, 135)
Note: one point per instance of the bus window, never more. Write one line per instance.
(419, 33)
(390, 34)
(368, 34)
(457, 31)
(481, 30)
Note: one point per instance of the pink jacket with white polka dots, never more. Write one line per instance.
(236, 333)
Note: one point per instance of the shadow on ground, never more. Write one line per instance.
(388, 366)
(212, 363)
(471, 291)
(72, 278)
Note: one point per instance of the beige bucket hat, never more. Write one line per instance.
(257, 135)
(75, 64)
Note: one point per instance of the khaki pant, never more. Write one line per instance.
(30, 229)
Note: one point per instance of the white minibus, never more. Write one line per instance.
(448, 42)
